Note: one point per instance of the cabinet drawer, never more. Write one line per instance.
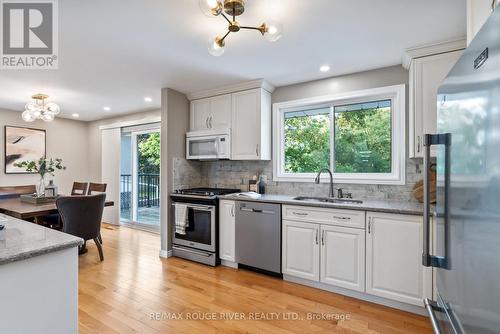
(338, 217)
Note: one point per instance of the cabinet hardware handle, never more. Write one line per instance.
(257, 150)
(206, 122)
(369, 225)
(418, 144)
(341, 218)
(300, 213)
(232, 211)
(317, 233)
(210, 121)
(323, 237)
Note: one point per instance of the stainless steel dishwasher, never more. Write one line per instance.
(258, 236)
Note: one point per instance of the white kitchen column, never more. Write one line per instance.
(110, 172)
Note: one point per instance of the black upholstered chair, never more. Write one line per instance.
(97, 188)
(81, 216)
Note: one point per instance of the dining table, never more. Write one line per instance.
(16, 208)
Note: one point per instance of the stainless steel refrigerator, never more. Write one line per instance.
(463, 244)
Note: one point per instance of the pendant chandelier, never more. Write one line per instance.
(39, 109)
(229, 9)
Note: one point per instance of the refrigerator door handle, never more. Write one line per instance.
(429, 260)
(432, 307)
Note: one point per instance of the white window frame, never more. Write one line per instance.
(394, 93)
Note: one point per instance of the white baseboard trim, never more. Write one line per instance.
(165, 254)
(229, 264)
(358, 295)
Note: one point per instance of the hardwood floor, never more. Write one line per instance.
(134, 291)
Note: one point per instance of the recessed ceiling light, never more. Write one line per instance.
(106, 108)
(75, 115)
(324, 68)
(148, 99)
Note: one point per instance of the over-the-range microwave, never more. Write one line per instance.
(208, 145)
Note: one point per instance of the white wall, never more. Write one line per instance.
(66, 139)
(174, 125)
(94, 135)
(381, 77)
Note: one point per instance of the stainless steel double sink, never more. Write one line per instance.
(328, 200)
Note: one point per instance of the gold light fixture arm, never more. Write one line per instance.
(221, 41)
(262, 28)
(227, 19)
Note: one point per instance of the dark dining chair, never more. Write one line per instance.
(16, 191)
(81, 216)
(96, 188)
(79, 188)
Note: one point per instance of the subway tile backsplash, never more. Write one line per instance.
(236, 174)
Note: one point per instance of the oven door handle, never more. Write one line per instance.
(197, 207)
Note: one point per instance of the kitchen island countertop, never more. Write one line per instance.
(21, 240)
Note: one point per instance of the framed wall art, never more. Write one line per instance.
(23, 144)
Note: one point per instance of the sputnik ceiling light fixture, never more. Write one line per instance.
(229, 9)
(39, 109)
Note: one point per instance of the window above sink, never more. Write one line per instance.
(360, 136)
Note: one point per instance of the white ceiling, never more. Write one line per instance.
(115, 52)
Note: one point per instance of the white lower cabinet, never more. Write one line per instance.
(343, 257)
(394, 267)
(324, 253)
(382, 260)
(300, 249)
(227, 230)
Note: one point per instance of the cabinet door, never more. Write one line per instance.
(220, 112)
(200, 114)
(343, 257)
(246, 129)
(394, 267)
(478, 12)
(301, 250)
(427, 74)
(227, 231)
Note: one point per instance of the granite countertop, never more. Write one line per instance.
(21, 240)
(407, 208)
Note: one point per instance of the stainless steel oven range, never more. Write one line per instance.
(197, 239)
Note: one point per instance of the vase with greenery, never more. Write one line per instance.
(42, 167)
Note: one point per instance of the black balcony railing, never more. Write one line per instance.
(148, 190)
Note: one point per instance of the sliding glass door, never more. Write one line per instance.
(140, 177)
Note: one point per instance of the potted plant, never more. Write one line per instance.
(42, 167)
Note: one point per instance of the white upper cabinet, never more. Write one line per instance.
(220, 112)
(227, 234)
(251, 125)
(213, 113)
(200, 113)
(245, 109)
(428, 66)
(394, 267)
(478, 12)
